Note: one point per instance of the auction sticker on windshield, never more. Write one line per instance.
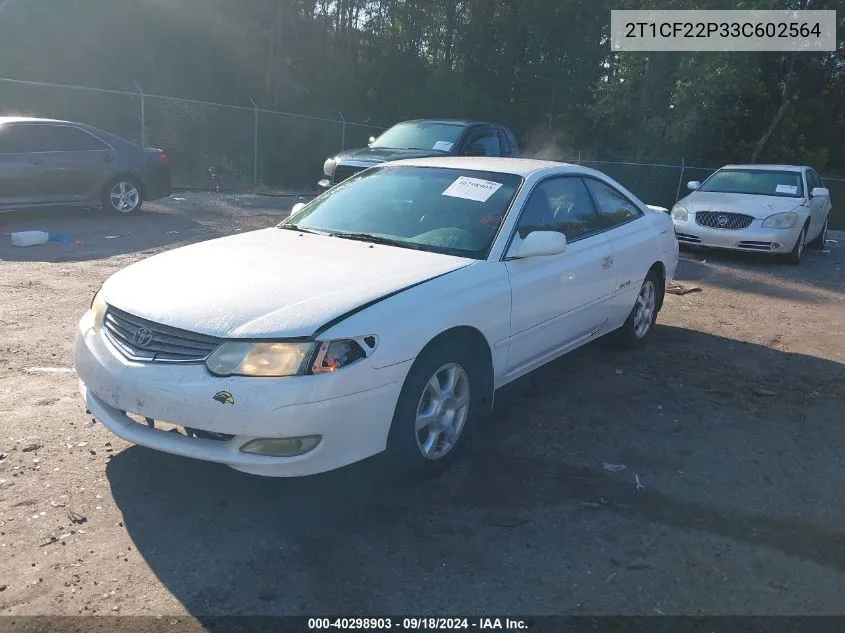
(786, 189)
(443, 146)
(472, 189)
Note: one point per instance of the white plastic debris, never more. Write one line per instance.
(614, 468)
(30, 238)
(637, 480)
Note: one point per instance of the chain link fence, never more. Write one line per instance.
(249, 147)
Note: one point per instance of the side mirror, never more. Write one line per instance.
(299, 206)
(537, 244)
(371, 141)
(654, 207)
(693, 185)
(820, 192)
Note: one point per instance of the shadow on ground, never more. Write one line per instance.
(519, 515)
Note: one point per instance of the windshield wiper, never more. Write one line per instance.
(376, 239)
(296, 227)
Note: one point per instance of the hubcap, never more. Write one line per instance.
(442, 411)
(644, 310)
(124, 196)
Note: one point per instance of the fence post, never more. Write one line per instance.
(342, 131)
(255, 145)
(143, 115)
(680, 180)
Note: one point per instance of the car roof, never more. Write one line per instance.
(29, 119)
(464, 122)
(518, 166)
(768, 167)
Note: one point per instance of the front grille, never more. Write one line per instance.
(685, 237)
(142, 340)
(728, 221)
(342, 172)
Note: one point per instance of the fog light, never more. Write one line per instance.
(281, 446)
(776, 246)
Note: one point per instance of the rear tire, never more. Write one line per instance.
(438, 404)
(637, 328)
(820, 241)
(123, 195)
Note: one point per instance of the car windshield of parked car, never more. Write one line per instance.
(423, 135)
(450, 211)
(758, 182)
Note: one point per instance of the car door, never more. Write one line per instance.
(558, 300)
(634, 242)
(818, 206)
(73, 162)
(19, 169)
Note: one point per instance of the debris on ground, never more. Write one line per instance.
(507, 522)
(113, 237)
(681, 289)
(619, 372)
(49, 370)
(29, 238)
(61, 237)
(761, 391)
(637, 481)
(75, 517)
(591, 505)
(172, 232)
(3, 456)
(614, 468)
(32, 446)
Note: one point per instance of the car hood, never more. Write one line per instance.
(268, 283)
(759, 207)
(382, 154)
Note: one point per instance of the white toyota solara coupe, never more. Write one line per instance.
(775, 209)
(381, 316)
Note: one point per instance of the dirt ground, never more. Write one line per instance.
(732, 420)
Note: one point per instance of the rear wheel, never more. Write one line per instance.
(640, 322)
(439, 401)
(122, 195)
(821, 239)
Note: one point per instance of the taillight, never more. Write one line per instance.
(163, 159)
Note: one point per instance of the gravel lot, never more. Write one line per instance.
(732, 420)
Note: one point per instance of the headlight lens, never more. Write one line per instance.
(259, 359)
(781, 221)
(679, 212)
(98, 310)
(334, 355)
(328, 167)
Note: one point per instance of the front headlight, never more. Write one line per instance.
(328, 167)
(259, 359)
(334, 355)
(98, 310)
(786, 220)
(679, 212)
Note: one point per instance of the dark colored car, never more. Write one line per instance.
(45, 163)
(420, 139)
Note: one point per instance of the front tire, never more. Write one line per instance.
(637, 328)
(820, 241)
(439, 401)
(122, 195)
(794, 257)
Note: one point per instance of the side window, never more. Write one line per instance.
(483, 142)
(64, 138)
(559, 204)
(15, 139)
(813, 180)
(513, 143)
(504, 143)
(613, 208)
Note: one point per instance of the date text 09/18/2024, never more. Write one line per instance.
(417, 624)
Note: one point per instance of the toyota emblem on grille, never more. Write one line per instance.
(722, 220)
(142, 337)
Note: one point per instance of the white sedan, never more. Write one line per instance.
(381, 316)
(775, 209)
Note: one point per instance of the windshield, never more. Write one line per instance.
(759, 182)
(450, 211)
(421, 135)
